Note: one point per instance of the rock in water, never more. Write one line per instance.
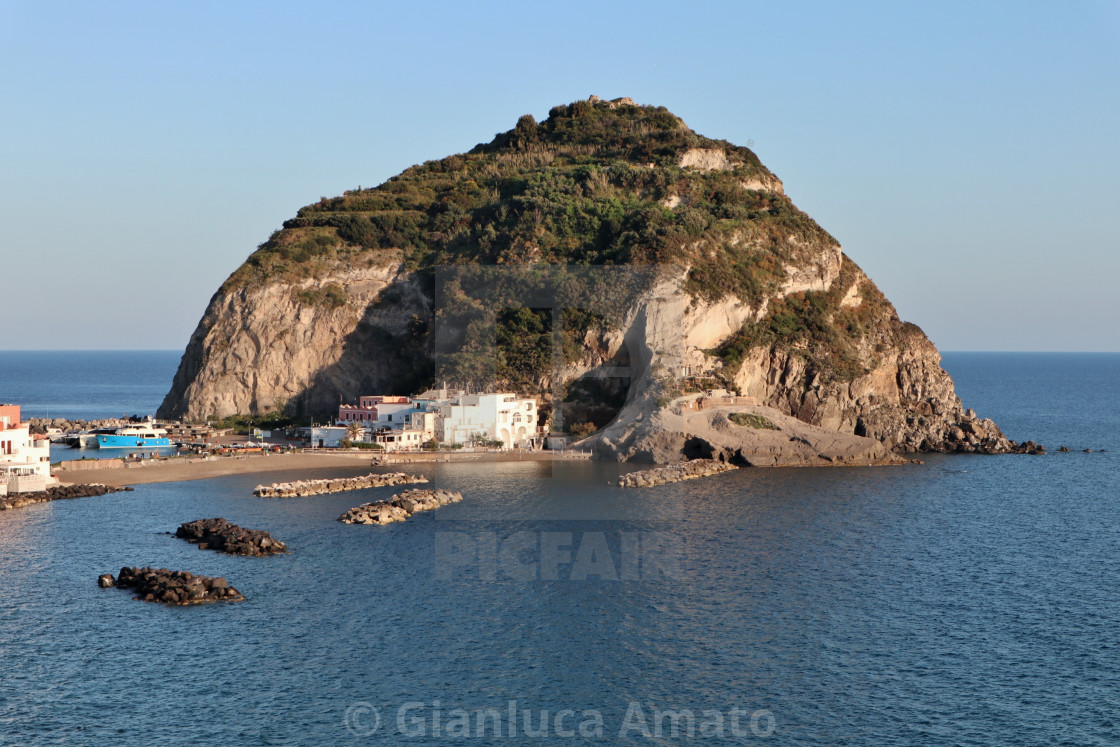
(219, 534)
(709, 276)
(56, 493)
(334, 485)
(400, 507)
(175, 587)
(673, 473)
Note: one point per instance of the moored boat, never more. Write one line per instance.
(87, 439)
(134, 436)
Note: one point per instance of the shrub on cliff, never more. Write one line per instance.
(752, 420)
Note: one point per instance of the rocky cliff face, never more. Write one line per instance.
(750, 296)
(892, 392)
(284, 346)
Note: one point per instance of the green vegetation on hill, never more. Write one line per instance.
(752, 420)
(483, 309)
(244, 424)
(816, 326)
(595, 184)
(331, 294)
(588, 186)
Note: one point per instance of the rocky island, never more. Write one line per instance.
(219, 534)
(172, 587)
(610, 262)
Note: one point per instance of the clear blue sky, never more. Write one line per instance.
(966, 155)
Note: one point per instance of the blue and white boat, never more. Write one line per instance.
(134, 437)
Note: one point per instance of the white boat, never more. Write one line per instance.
(87, 439)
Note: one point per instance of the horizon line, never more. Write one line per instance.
(180, 350)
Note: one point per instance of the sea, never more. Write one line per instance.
(967, 600)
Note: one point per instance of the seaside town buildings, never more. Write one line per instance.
(445, 415)
(500, 417)
(25, 460)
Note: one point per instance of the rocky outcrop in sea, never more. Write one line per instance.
(747, 294)
(400, 507)
(674, 473)
(219, 534)
(57, 493)
(172, 587)
(334, 485)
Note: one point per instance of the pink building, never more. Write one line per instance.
(9, 416)
(366, 411)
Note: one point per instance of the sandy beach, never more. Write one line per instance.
(179, 469)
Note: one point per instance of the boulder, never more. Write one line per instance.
(1029, 447)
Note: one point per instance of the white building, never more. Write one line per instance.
(404, 439)
(324, 436)
(25, 460)
(500, 417)
(424, 421)
(449, 416)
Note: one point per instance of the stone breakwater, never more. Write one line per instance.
(400, 507)
(674, 473)
(219, 534)
(57, 493)
(40, 425)
(172, 587)
(334, 485)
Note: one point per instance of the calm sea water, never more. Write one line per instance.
(967, 601)
(86, 384)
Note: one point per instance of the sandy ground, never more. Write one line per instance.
(181, 468)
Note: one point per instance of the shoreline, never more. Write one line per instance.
(182, 469)
(186, 469)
